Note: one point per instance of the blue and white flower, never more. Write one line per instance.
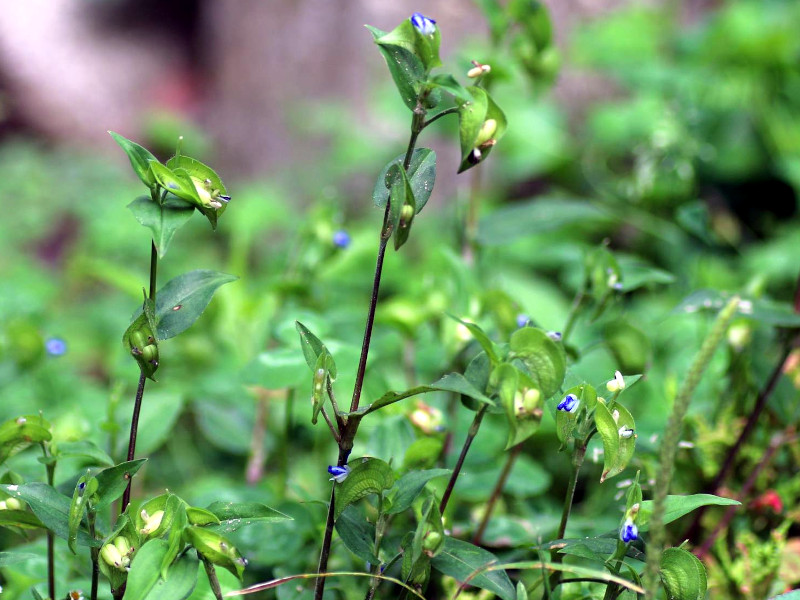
(629, 531)
(554, 335)
(626, 432)
(522, 320)
(55, 347)
(569, 404)
(425, 25)
(339, 473)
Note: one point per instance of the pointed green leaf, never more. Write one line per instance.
(678, 506)
(201, 516)
(207, 184)
(178, 582)
(233, 515)
(449, 84)
(50, 506)
(83, 449)
(162, 219)
(111, 482)
(456, 382)
(145, 570)
(370, 476)
(216, 548)
(19, 518)
(176, 183)
(312, 349)
(184, 298)
(406, 489)
(480, 336)
(77, 509)
(357, 534)
(10, 558)
(462, 561)
(421, 173)
(140, 158)
(406, 68)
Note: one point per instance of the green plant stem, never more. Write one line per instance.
(577, 462)
(380, 528)
(137, 404)
(95, 554)
(473, 431)
(496, 493)
(50, 469)
(439, 115)
(573, 314)
(349, 428)
(213, 581)
(669, 445)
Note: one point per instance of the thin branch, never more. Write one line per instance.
(331, 426)
(473, 431)
(137, 406)
(496, 493)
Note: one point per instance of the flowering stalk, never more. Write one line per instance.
(669, 444)
(137, 404)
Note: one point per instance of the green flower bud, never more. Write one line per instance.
(13, 504)
(138, 341)
(432, 542)
(150, 354)
(122, 544)
(111, 555)
(406, 215)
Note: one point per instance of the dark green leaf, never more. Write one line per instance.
(111, 482)
(140, 158)
(201, 516)
(19, 518)
(392, 397)
(312, 349)
(10, 558)
(449, 84)
(678, 506)
(234, 515)
(605, 546)
(179, 581)
(401, 196)
(683, 575)
(458, 383)
(370, 476)
(421, 173)
(83, 449)
(77, 509)
(51, 507)
(184, 298)
(162, 219)
(408, 487)
(519, 220)
(145, 570)
(462, 561)
(20, 432)
(406, 68)
(177, 183)
(480, 336)
(357, 534)
(617, 451)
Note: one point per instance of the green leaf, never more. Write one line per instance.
(449, 84)
(683, 575)
(319, 392)
(544, 358)
(678, 506)
(233, 515)
(11, 558)
(312, 349)
(462, 560)
(421, 173)
(179, 581)
(458, 383)
(764, 311)
(392, 397)
(406, 68)
(406, 489)
(541, 215)
(566, 421)
(371, 476)
(408, 37)
(18, 433)
(83, 449)
(145, 570)
(140, 158)
(19, 518)
(50, 506)
(184, 298)
(211, 188)
(216, 548)
(77, 509)
(603, 546)
(162, 219)
(401, 195)
(111, 482)
(480, 336)
(201, 516)
(178, 522)
(357, 533)
(617, 450)
(472, 117)
(176, 183)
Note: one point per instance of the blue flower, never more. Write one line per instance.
(341, 239)
(522, 320)
(339, 473)
(629, 531)
(426, 25)
(55, 346)
(569, 404)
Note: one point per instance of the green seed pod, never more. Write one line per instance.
(486, 132)
(13, 504)
(122, 544)
(150, 354)
(111, 555)
(138, 341)
(151, 522)
(406, 215)
(432, 542)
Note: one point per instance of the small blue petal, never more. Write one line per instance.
(341, 239)
(522, 320)
(569, 404)
(339, 473)
(425, 25)
(629, 532)
(55, 347)
(554, 335)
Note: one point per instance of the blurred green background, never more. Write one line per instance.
(669, 129)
